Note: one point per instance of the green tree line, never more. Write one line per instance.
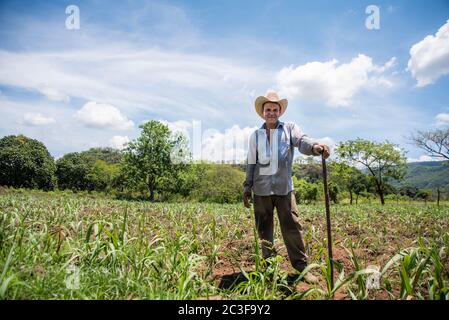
(157, 166)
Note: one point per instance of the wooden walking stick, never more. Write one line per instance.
(328, 218)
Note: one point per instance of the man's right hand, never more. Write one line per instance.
(246, 199)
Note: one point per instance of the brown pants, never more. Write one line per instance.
(290, 227)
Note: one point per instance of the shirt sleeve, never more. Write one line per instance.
(250, 163)
(303, 142)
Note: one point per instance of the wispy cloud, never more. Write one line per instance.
(421, 158)
(35, 119)
(53, 94)
(141, 80)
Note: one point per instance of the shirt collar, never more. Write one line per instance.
(278, 124)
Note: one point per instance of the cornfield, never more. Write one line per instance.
(65, 246)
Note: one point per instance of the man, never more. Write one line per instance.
(269, 176)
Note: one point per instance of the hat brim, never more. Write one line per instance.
(261, 100)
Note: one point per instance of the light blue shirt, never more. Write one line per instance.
(267, 175)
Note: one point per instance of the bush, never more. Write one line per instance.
(218, 183)
(95, 169)
(305, 192)
(26, 163)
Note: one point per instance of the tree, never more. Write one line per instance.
(305, 192)
(310, 171)
(334, 190)
(102, 175)
(408, 190)
(383, 160)
(155, 158)
(424, 194)
(72, 170)
(94, 169)
(106, 154)
(348, 177)
(218, 183)
(360, 186)
(26, 162)
(435, 143)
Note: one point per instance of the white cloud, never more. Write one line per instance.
(36, 119)
(230, 146)
(387, 66)
(119, 142)
(442, 119)
(101, 115)
(178, 126)
(421, 159)
(429, 58)
(66, 134)
(332, 83)
(324, 140)
(328, 141)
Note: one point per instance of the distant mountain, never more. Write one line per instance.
(427, 174)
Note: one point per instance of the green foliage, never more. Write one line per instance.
(334, 190)
(102, 175)
(430, 175)
(424, 194)
(311, 171)
(217, 183)
(383, 160)
(408, 190)
(305, 192)
(94, 169)
(345, 177)
(155, 159)
(421, 269)
(72, 170)
(106, 154)
(26, 162)
(150, 169)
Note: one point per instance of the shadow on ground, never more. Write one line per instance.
(231, 281)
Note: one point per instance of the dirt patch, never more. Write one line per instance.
(225, 267)
(343, 257)
(302, 287)
(341, 295)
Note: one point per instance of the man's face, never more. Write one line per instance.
(271, 112)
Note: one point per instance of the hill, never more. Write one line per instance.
(427, 175)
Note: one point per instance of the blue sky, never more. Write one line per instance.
(204, 62)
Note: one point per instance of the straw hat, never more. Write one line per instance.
(271, 96)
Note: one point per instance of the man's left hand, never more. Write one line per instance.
(322, 148)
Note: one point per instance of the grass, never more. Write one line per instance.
(61, 246)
